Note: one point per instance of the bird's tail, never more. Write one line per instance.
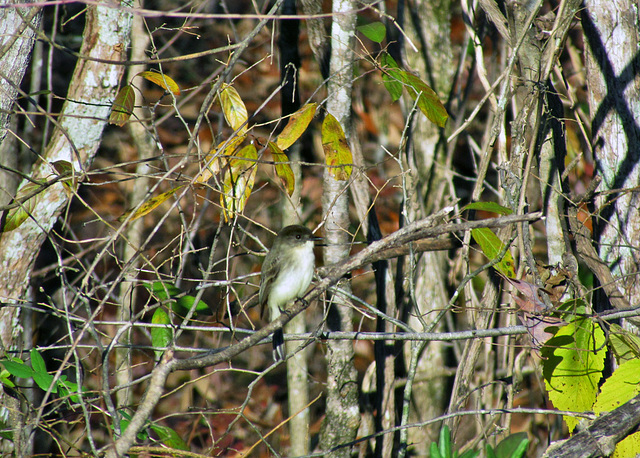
(278, 345)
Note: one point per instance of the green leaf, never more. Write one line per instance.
(18, 215)
(336, 149)
(123, 105)
(170, 437)
(428, 101)
(490, 452)
(492, 246)
(469, 454)
(375, 31)
(37, 361)
(43, 380)
(512, 446)
(621, 387)
(125, 420)
(625, 345)
(17, 368)
(296, 126)
(391, 80)
(180, 303)
(572, 364)
(445, 442)
(434, 452)
(283, 169)
(160, 336)
(5, 380)
(489, 207)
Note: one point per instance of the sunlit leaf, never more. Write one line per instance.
(122, 107)
(160, 336)
(149, 205)
(233, 108)
(336, 149)
(428, 101)
(391, 76)
(572, 364)
(296, 126)
(625, 345)
(492, 246)
(374, 31)
(283, 169)
(238, 182)
(488, 207)
(162, 80)
(18, 215)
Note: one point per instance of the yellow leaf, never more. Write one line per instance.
(212, 164)
(122, 106)
(238, 181)
(233, 109)
(298, 123)
(336, 149)
(149, 205)
(162, 80)
(283, 170)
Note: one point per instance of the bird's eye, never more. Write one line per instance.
(298, 236)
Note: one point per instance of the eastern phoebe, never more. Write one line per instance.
(286, 274)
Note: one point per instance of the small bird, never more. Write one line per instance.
(286, 274)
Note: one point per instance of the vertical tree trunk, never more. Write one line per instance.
(428, 23)
(612, 35)
(343, 414)
(75, 140)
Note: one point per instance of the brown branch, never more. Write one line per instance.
(601, 437)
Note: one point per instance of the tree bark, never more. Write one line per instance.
(612, 31)
(343, 414)
(76, 140)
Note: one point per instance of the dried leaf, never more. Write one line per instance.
(233, 108)
(162, 80)
(122, 107)
(297, 125)
(336, 149)
(283, 169)
(149, 205)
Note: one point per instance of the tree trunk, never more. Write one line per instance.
(612, 34)
(343, 414)
(75, 140)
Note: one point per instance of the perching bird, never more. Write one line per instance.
(286, 274)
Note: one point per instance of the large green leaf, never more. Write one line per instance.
(572, 365)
